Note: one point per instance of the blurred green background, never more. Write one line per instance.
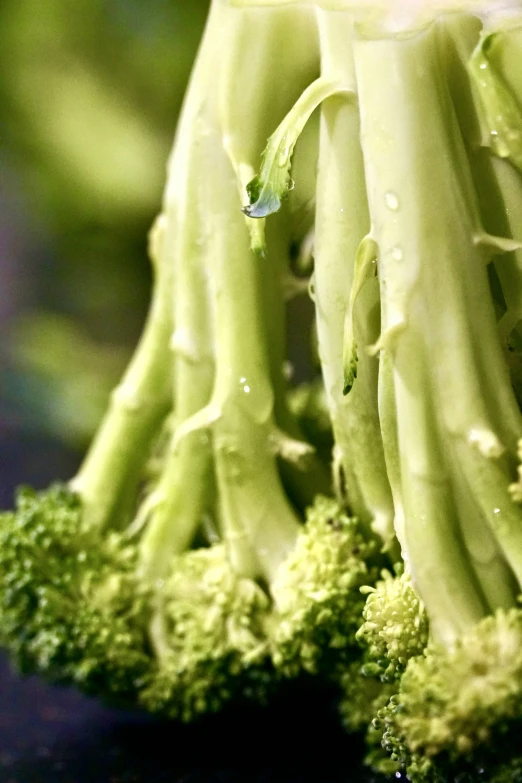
(90, 91)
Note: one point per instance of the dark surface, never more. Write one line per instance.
(54, 735)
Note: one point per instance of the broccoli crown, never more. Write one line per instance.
(211, 642)
(69, 606)
(457, 708)
(395, 626)
(317, 599)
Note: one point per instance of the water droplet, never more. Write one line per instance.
(391, 200)
(255, 397)
(496, 511)
(397, 253)
(483, 66)
(284, 153)
(127, 396)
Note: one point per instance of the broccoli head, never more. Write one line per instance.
(316, 592)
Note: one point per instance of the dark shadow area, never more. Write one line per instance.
(54, 735)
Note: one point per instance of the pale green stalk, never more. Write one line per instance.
(342, 221)
(498, 182)
(304, 474)
(257, 521)
(247, 117)
(109, 478)
(457, 39)
(176, 507)
(259, 526)
(425, 231)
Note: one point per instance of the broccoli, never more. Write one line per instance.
(198, 556)
(417, 285)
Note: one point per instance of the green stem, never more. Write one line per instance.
(257, 40)
(247, 117)
(390, 440)
(342, 221)
(259, 525)
(499, 192)
(308, 476)
(434, 289)
(184, 491)
(498, 184)
(108, 480)
(493, 574)
(253, 501)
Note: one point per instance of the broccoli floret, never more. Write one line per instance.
(456, 708)
(395, 626)
(209, 638)
(318, 604)
(70, 605)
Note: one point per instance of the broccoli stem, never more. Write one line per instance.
(109, 478)
(493, 573)
(430, 273)
(509, 265)
(498, 183)
(342, 221)
(247, 117)
(457, 38)
(184, 492)
(184, 489)
(259, 526)
(304, 474)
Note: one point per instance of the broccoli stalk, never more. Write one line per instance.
(109, 479)
(184, 490)
(339, 244)
(175, 571)
(457, 416)
(441, 216)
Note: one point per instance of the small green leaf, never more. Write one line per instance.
(365, 268)
(271, 186)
